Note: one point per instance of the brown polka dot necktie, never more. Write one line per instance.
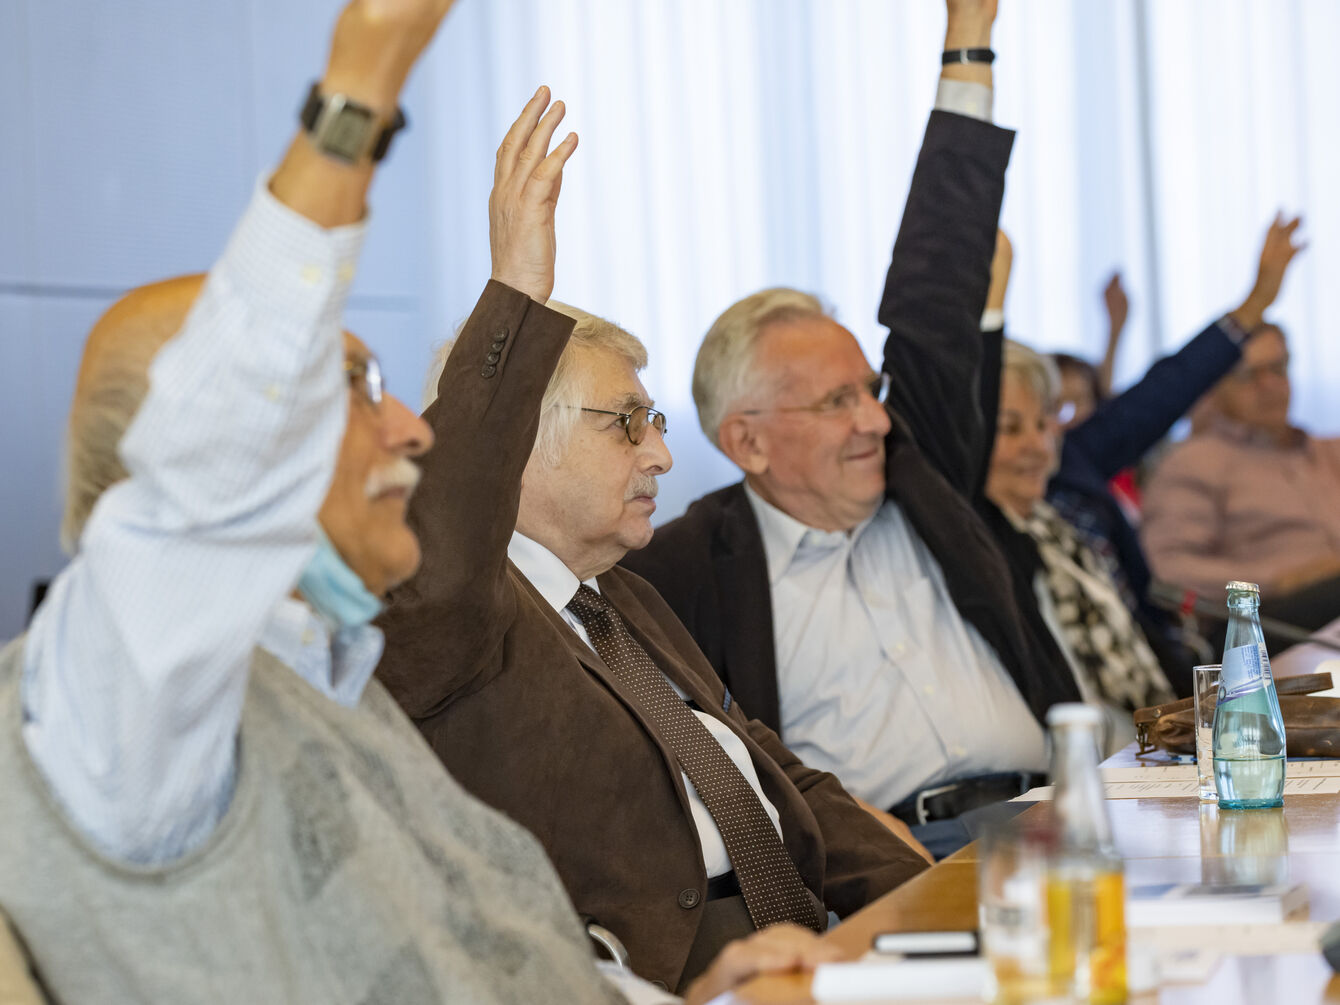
(772, 887)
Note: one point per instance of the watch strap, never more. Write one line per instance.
(951, 56)
(310, 116)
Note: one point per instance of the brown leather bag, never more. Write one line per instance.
(1311, 723)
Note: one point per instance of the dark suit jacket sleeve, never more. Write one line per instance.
(1123, 430)
(936, 289)
(444, 627)
(988, 396)
(863, 858)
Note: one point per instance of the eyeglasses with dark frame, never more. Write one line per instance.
(844, 400)
(635, 422)
(365, 377)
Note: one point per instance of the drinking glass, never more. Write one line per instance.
(1206, 694)
(1012, 913)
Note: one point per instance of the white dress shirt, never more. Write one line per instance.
(880, 679)
(558, 585)
(136, 664)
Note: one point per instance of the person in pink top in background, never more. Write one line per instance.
(1251, 496)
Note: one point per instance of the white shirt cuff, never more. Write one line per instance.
(634, 988)
(1235, 332)
(964, 97)
(993, 319)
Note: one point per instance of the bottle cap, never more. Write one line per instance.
(1238, 586)
(1074, 713)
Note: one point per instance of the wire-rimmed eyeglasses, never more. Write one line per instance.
(843, 400)
(365, 377)
(636, 421)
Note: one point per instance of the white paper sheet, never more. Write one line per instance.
(1152, 773)
(1325, 768)
(1174, 788)
(878, 978)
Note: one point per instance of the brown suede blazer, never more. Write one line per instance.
(529, 719)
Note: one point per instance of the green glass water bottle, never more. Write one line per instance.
(1248, 726)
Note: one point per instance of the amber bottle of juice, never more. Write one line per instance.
(1085, 888)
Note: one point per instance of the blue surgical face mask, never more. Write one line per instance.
(334, 589)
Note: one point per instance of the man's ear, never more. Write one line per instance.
(745, 442)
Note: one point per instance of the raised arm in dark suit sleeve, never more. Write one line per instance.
(938, 277)
(1123, 430)
(935, 290)
(944, 369)
(445, 626)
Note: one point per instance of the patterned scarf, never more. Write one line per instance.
(1100, 633)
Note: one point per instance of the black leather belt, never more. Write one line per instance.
(723, 886)
(942, 802)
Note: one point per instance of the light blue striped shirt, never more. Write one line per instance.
(136, 664)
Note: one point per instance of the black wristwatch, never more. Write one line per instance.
(342, 128)
(951, 56)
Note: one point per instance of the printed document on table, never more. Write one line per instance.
(1170, 788)
(1167, 772)
(1322, 768)
(1151, 773)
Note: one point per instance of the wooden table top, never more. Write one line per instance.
(1162, 840)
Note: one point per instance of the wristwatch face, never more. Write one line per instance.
(343, 130)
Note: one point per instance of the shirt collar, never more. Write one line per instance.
(784, 536)
(338, 665)
(1239, 432)
(556, 583)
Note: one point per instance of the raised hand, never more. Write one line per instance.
(1277, 251)
(376, 44)
(968, 26)
(1118, 308)
(526, 182)
(1117, 305)
(973, 16)
(374, 47)
(1001, 263)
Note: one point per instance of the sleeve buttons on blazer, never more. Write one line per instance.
(488, 370)
(501, 334)
(689, 898)
(492, 358)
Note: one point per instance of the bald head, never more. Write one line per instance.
(113, 379)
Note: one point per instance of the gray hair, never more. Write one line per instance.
(568, 387)
(1037, 372)
(722, 371)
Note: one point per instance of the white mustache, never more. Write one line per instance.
(644, 486)
(401, 473)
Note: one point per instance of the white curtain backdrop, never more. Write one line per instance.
(727, 145)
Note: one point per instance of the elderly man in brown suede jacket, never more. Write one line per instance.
(563, 690)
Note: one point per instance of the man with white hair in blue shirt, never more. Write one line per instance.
(207, 798)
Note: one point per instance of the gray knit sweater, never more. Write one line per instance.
(350, 868)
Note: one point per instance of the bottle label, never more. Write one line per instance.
(1265, 662)
(1244, 669)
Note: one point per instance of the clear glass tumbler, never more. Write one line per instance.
(1012, 906)
(1205, 685)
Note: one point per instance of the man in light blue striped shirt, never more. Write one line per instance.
(197, 827)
